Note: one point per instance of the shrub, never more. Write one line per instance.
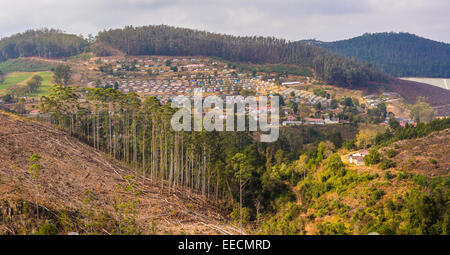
(235, 216)
(328, 228)
(386, 164)
(403, 175)
(286, 222)
(388, 175)
(392, 153)
(421, 180)
(335, 165)
(48, 229)
(349, 145)
(372, 158)
(374, 196)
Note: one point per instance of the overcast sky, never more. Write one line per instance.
(326, 20)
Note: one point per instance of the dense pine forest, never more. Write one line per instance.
(45, 43)
(172, 41)
(399, 54)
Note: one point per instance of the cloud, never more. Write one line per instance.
(291, 19)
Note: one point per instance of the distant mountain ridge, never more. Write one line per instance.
(399, 54)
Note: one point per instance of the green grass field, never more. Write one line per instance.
(20, 78)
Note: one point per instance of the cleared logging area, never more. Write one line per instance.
(438, 82)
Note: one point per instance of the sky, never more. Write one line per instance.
(326, 20)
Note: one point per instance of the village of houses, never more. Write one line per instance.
(167, 77)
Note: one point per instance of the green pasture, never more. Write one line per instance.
(20, 78)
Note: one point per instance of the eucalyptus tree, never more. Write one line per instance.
(243, 172)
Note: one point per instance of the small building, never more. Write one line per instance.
(313, 121)
(357, 158)
(292, 123)
(291, 118)
(35, 112)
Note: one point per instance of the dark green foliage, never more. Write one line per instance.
(34, 84)
(321, 92)
(377, 114)
(400, 54)
(373, 158)
(329, 228)
(349, 145)
(421, 180)
(278, 68)
(403, 175)
(389, 176)
(46, 43)
(411, 131)
(287, 223)
(335, 164)
(374, 196)
(394, 124)
(333, 104)
(48, 229)
(62, 74)
(8, 98)
(418, 212)
(386, 164)
(391, 153)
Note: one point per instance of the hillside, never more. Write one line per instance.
(411, 90)
(27, 65)
(399, 54)
(174, 41)
(425, 155)
(79, 189)
(341, 198)
(45, 43)
(246, 52)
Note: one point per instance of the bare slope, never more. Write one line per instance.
(78, 181)
(411, 90)
(427, 156)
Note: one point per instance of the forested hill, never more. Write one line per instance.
(166, 40)
(46, 43)
(400, 54)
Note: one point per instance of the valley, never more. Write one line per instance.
(87, 145)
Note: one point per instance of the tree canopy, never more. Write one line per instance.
(400, 54)
(46, 43)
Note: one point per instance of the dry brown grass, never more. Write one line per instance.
(70, 168)
(427, 156)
